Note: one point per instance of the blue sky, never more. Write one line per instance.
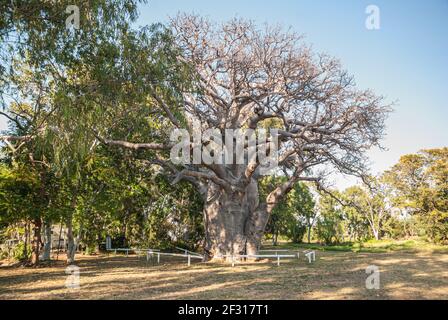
(406, 60)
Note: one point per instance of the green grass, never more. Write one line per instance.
(371, 246)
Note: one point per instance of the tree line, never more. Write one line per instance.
(408, 200)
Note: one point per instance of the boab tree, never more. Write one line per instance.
(248, 78)
(244, 78)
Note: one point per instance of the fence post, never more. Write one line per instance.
(158, 257)
(189, 260)
(108, 243)
(278, 261)
(233, 261)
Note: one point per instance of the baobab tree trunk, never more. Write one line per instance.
(234, 222)
(47, 242)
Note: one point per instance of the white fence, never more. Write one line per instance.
(156, 252)
(236, 257)
(309, 255)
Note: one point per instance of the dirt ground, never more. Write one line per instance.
(334, 275)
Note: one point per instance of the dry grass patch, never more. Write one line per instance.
(335, 275)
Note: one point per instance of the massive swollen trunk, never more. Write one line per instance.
(234, 221)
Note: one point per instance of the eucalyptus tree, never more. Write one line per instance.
(356, 225)
(294, 216)
(50, 72)
(302, 202)
(372, 203)
(99, 79)
(330, 222)
(419, 185)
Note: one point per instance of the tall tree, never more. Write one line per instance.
(244, 77)
(372, 202)
(330, 226)
(302, 203)
(420, 184)
(50, 72)
(293, 215)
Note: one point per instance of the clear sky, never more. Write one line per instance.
(406, 60)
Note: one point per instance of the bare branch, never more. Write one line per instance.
(15, 138)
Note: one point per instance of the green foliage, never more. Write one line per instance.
(375, 246)
(69, 87)
(19, 187)
(329, 228)
(420, 183)
(293, 214)
(301, 203)
(19, 253)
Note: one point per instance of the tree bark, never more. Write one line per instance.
(309, 233)
(71, 245)
(47, 242)
(35, 245)
(98, 243)
(275, 238)
(234, 222)
(25, 246)
(71, 248)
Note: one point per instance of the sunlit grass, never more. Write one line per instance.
(334, 275)
(370, 246)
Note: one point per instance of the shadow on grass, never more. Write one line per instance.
(334, 275)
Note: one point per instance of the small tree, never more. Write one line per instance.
(372, 203)
(329, 227)
(293, 215)
(420, 189)
(302, 204)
